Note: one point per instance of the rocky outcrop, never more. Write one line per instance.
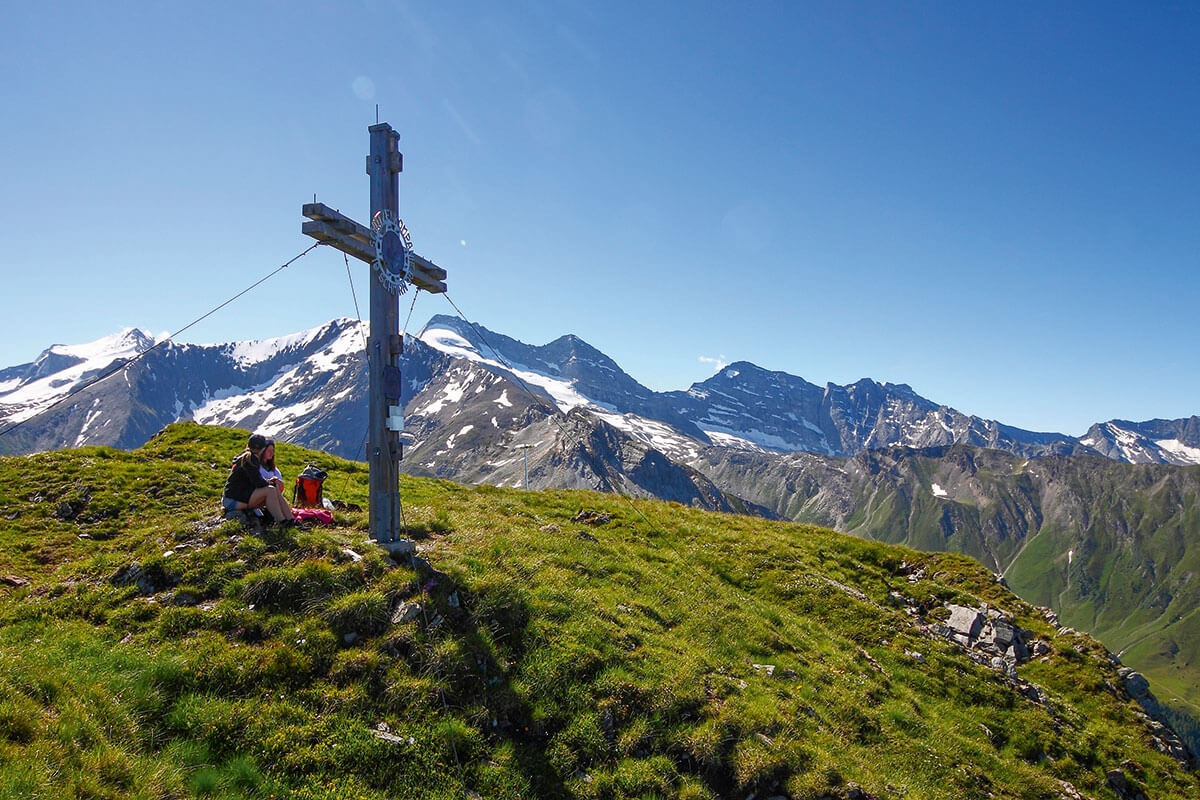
(988, 631)
(1163, 737)
(1122, 786)
(149, 580)
(991, 638)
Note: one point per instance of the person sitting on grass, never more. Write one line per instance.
(273, 477)
(246, 488)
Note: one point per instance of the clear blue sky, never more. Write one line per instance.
(998, 204)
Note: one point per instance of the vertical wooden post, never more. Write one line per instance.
(384, 345)
(383, 350)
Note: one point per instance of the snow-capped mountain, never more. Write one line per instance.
(489, 416)
(28, 389)
(743, 406)
(570, 374)
(471, 394)
(1157, 441)
(307, 386)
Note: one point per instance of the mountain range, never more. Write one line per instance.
(309, 388)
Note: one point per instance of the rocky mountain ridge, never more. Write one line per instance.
(309, 387)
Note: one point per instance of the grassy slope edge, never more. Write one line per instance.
(550, 658)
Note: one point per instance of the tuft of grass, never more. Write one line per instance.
(366, 613)
(292, 588)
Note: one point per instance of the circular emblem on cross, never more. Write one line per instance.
(393, 251)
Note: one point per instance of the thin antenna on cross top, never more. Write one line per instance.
(377, 113)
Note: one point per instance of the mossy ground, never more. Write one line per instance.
(552, 658)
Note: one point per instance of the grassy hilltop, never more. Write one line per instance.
(642, 650)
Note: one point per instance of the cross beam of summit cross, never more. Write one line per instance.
(386, 246)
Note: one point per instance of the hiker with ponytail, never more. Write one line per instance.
(246, 489)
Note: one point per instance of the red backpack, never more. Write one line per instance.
(307, 493)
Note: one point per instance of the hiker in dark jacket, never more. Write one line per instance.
(246, 489)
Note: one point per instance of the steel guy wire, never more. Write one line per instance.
(354, 297)
(410, 310)
(367, 350)
(129, 362)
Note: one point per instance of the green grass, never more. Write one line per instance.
(552, 659)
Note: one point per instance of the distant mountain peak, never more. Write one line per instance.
(125, 342)
(1155, 441)
(256, 351)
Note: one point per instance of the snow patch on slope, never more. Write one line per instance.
(562, 392)
(1183, 454)
(658, 435)
(756, 439)
(453, 393)
(127, 342)
(1134, 448)
(93, 414)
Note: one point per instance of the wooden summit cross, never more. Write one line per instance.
(386, 246)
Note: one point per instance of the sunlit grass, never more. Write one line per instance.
(666, 653)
